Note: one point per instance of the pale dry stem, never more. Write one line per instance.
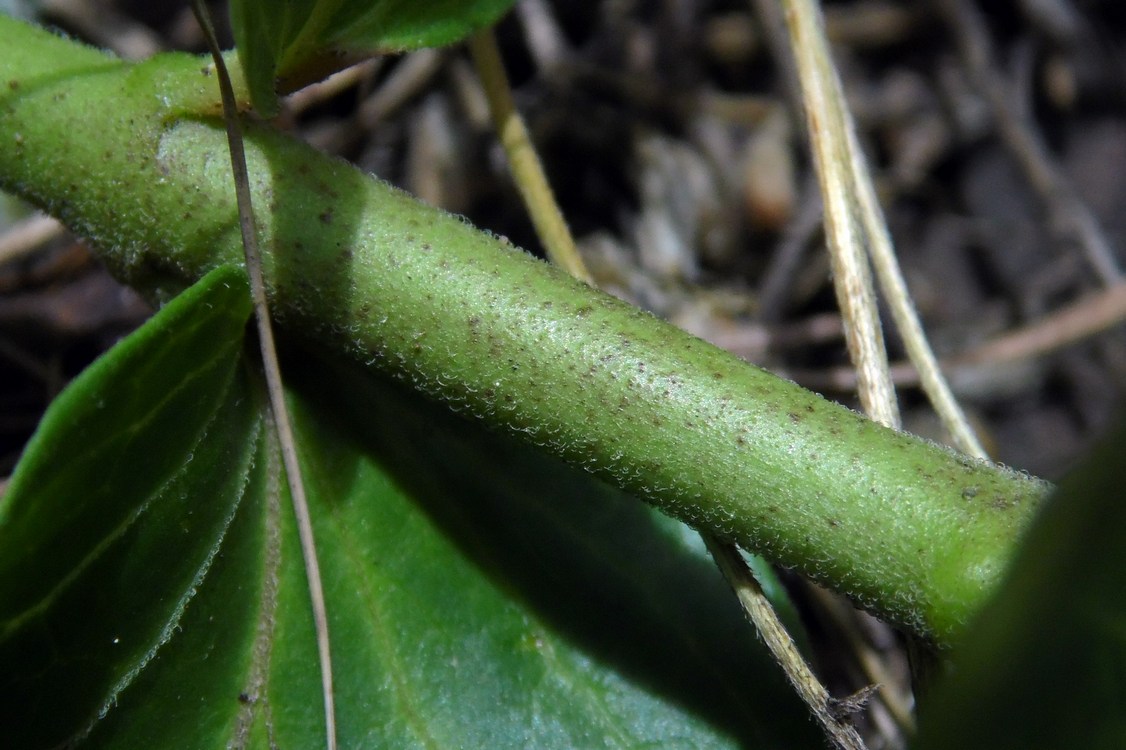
(829, 133)
(527, 171)
(754, 602)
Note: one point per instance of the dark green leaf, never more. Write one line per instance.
(297, 40)
(1045, 664)
(503, 599)
(479, 594)
(112, 517)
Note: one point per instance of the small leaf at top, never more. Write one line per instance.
(295, 42)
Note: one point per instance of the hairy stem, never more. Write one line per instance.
(553, 233)
(909, 530)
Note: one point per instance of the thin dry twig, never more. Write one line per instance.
(875, 670)
(796, 73)
(272, 370)
(1082, 319)
(842, 734)
(408, 78)
(903, 310)
(522, 159)
(855, 221)
(829, 128)
(788, 256)
(546, 41)
(1086, 317)
(338, 82)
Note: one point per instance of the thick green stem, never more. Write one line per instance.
(127, 155)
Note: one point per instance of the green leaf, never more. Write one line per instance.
(505, 599)
(110, 522)
(479, 594)
(300, 40)
(1044, 665)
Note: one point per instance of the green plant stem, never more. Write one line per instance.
(856, 231)
(554, 234)
(907, 529)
